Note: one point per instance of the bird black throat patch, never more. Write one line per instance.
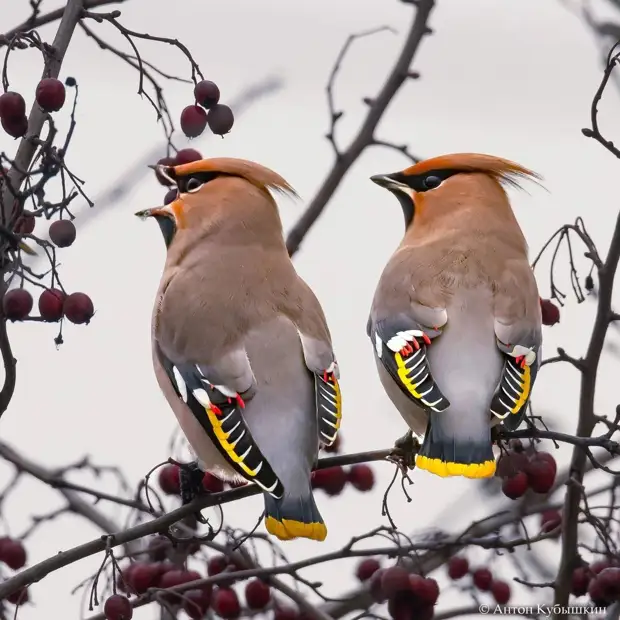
(221, 418)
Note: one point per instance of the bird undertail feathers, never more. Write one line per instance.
(294, 517)
(447, 452)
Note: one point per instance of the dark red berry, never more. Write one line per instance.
(212, 483)
(600, 565)
(403, 606)
(216, 565)
(196, 603)
(13, 553)
(375, 587)
(51, 304)
(367, 568)
(540, 475)
(580, 581)
(143, 577)
(427, 591)
(19, 597)
(547, 458)
(515, 486)
(159, 546)
(50, 94)
(285, 613)
(394, 579)
(336, 446)
(257, 594)
(550, 312)
(501, 592)
(226, 604)
(62, 233)
(361, 477)
(170, 196)
(207, 93)
(483, 579)
(609, 580)
(78, 308)
(511, 463)
(550, 520)
(589, 283)
(12, 105)
(15, 127)
(597, 594)
(17, 304)
(221, 119)
(193, 121)
(187, 156)
(332, 480)
(25, 224)
(169, 479)
(117, 607)
(458, 567)
(168, 162)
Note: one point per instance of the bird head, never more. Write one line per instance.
(445, 180)
(212, 190)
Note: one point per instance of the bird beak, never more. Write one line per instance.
(27, 249)
(388, 181)
(150, 213)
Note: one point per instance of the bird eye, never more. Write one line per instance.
(431, 182)
(193, 185)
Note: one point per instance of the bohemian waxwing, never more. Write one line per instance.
(455, 322)
(241, 347)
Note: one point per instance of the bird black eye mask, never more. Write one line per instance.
(193, 182)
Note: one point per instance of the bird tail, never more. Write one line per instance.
(446, 452)
(294, 517)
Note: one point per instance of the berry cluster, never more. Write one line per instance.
(206, 111)
(523, 469)
(13, 554)
(481, 578)
(599, 580)
(53, 305)
(408, 596)
(50, 95)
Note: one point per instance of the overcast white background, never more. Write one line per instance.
(513, 79)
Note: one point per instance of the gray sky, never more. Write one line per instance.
(513, 79)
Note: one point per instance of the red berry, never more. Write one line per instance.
(600, 565)
(580, 581)
(17, 304)
(51, 94)
(187, 156)
(25, 224)
(457, 567)
(221, 119)
(78, 308)
(257, 594)
(597, 593)
(12, 105)
(362, 477)
(196, 603)
(143, 577)
(540, 475)
(331, 480)
(212, 483)
(169, 479)
(62, 233)
(511, 463)
(159, 547)
(193, 121)
(285, 613)
(123, 581)
(375, 587)
(117, 607)
(336, 446)
(394, 579)
(515, 486)
(549, 520)
(51, 304)
(367, 568)
(427, 592)
(19, 597)
(550, 312)
(216, 565)
(15, 127)
(168, 162)
(609, 580)
(402, 606)
(207, 94)
(501, 592)
(547, 458)
(162, 569)
(482, 579)
(226, 604)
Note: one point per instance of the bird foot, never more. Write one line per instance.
(404, 451)
(190, 478)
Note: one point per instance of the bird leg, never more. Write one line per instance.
(404, 451)
(190, 478)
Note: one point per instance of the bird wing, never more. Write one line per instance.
(518, 331)
(217, 407)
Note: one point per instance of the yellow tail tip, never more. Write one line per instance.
(288, 529)
(446, 469)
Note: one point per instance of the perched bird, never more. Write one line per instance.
(456, 320)
(241, 347)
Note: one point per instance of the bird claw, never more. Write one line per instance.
(190, 478)
(404, 451)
